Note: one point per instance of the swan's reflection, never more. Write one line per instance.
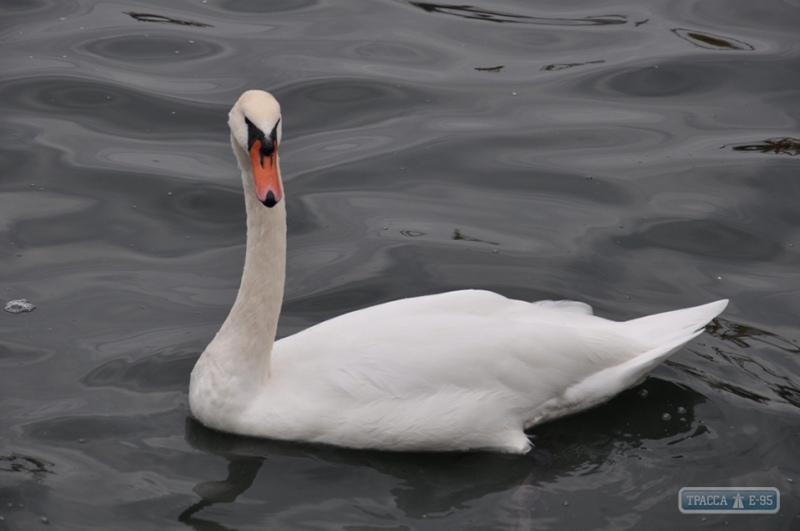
(242, 471)
(437, 485)
(429, 483)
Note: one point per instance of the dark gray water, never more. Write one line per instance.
(637, 156)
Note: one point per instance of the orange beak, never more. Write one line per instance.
(265, 173)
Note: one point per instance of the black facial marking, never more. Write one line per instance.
(267, 146)
(253, 134)
(274, 134)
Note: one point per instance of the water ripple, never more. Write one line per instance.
(420, 138)
(99, 105)
(761, 378)
(471, 12)
(704, 238)
(151, 49)
(258, 6)
(661, 81)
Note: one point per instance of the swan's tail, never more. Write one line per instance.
(662, 335)
(676, 327)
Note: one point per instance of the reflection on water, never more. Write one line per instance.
(242, 472)
(427, 485)
(746, 336)
(774, 376)
(437, 484)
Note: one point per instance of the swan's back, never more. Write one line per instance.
(466, 369)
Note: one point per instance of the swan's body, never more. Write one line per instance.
(456, 371)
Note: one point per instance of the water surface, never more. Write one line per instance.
(639, 157)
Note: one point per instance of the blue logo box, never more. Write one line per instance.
(729, 500)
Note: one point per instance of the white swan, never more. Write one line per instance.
(456, 371)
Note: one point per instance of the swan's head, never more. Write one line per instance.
(255, 123)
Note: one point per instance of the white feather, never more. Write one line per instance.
(456, 371)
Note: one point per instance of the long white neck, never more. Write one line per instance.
(242, 348)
